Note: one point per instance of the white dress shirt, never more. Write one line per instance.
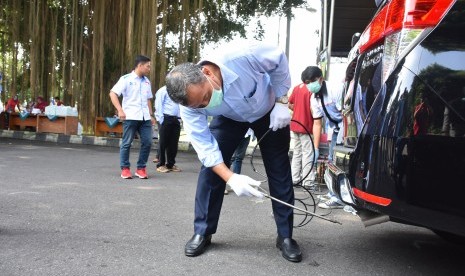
(136, 92)
(253, 77)
(164, 105)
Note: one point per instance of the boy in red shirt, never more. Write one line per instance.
(302, 157)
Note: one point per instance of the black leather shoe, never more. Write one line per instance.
(289, 248)
(196, 245)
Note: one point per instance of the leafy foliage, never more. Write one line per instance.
(77, 49)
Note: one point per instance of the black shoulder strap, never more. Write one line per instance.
(326, 111)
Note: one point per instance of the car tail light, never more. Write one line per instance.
(371, 198)
(402, 24)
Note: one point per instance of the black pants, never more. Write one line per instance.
(274, 150)
(169, 132)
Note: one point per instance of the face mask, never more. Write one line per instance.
(216, 98)
(314, 87)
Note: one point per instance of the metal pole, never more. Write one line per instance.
(261, 190)
(325, 23)
(288, 32)
(300, 209)
(330, 37)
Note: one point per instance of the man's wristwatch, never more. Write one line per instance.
(283, 99)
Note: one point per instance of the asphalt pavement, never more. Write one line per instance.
(64, 210)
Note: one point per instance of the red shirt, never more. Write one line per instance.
(11, 105)
(300, 98)
(41, 106)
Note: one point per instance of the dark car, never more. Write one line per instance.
(403, 157)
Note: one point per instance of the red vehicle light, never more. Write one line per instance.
(426, 13)
(371, 198)
(395, 17)
(399, 14)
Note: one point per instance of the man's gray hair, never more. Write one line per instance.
(180, 78)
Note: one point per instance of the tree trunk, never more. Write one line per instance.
(162, 72)
(64, 63)
(53, 75)
(153, 43)
(130, 30)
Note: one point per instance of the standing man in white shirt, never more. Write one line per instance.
(136, 113)
(168, 117)
(244, 88)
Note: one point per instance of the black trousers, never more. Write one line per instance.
(169, 132)
(274, 150)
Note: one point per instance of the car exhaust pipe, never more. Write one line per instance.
(369, 218)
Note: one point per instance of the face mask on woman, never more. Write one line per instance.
(314, 87)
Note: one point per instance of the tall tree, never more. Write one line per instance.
(78, 49)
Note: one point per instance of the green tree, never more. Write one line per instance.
(77, 49)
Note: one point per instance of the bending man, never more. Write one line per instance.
(242, 89)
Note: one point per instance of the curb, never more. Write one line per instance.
(80, 139)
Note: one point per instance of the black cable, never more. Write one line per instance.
(299, 183)
(307, 200)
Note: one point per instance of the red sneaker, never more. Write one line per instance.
(126, 173)
(141, 173)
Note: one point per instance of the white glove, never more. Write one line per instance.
(244, 185)
(280, 116)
